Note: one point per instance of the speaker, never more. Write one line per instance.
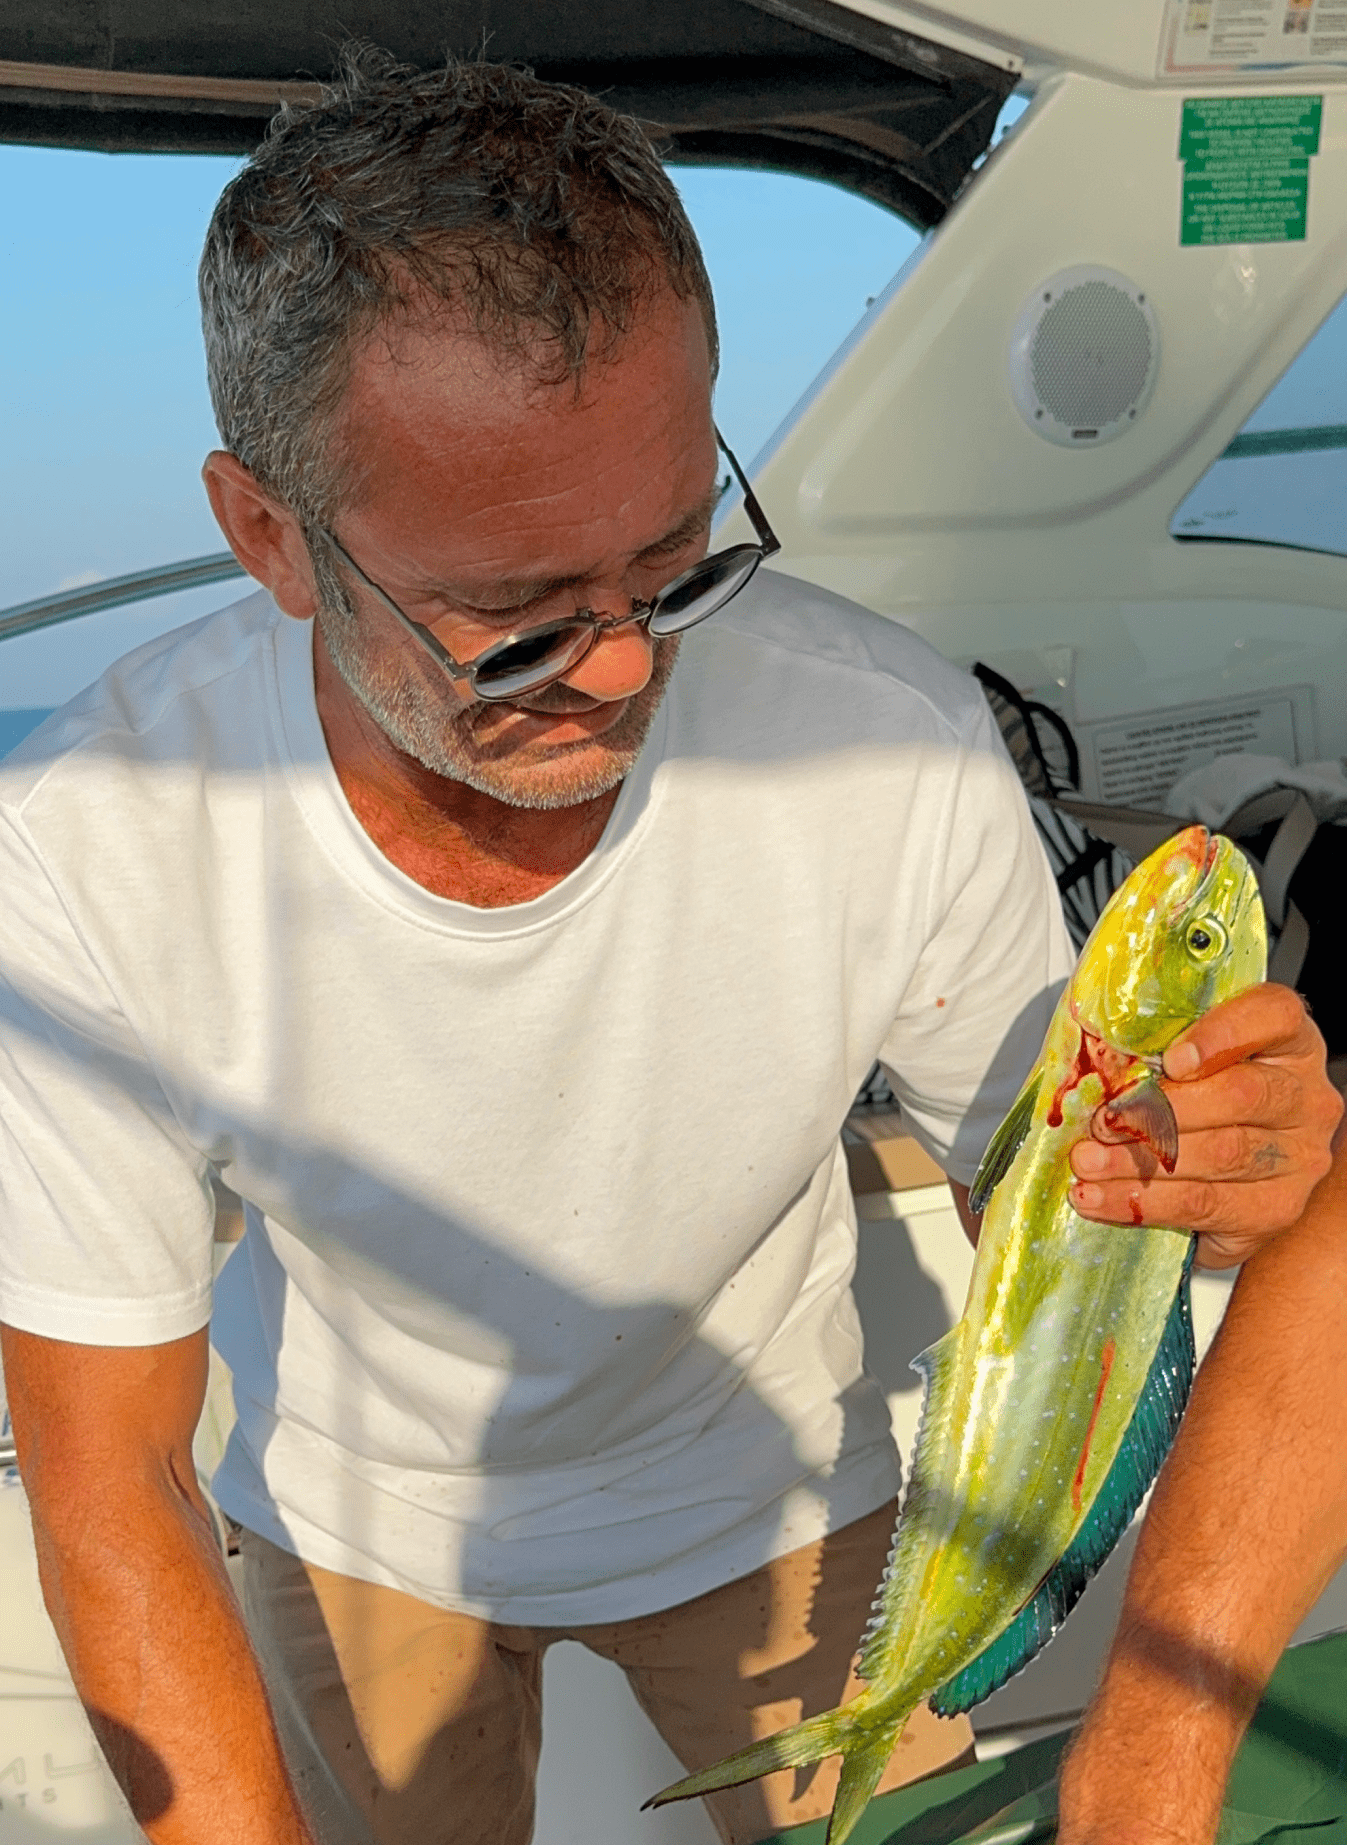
(1083, 356)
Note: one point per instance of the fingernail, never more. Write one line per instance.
(1087, 1197)
(1088, 1158)
(1182, 1060)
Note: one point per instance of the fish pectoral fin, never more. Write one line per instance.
(1140, 1114)
(1006, 1142)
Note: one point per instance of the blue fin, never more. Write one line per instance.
(1005, 1143)
(1150, 1433)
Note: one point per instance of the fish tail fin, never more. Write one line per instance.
(862, 1765)
(835, 1732)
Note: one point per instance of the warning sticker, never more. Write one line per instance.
(1246, 167)
(1242, 206)
(1227, 39)
(1137, 760)
(1225, 128)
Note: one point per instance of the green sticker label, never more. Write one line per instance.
(1237, 127)
(1246, 172)
(1257, 204)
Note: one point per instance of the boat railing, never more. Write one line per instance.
(113, 592)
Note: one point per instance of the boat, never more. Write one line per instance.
(1093, 436)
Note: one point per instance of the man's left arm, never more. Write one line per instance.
(1246, 1526)
(1249, 1518)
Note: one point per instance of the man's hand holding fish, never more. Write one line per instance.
(1255, 1110)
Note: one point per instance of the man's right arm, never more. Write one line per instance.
(137, 1589)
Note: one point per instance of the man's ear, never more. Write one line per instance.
(264, 536)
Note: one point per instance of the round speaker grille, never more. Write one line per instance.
(1084, 357)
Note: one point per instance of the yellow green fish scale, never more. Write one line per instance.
(1050, 1290)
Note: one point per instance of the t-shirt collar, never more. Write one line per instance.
(330, 817)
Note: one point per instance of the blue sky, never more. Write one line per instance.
(106, 415)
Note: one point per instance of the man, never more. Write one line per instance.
(518, 969)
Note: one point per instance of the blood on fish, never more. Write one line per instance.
(1134, 1205)
(1094, 1057)
(1106, 1365)
(1083, 1066)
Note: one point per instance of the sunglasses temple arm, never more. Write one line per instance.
(767, 538)
(433, 646)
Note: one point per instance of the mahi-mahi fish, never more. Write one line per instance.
(1052, 1403)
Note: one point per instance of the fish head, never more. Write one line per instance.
(1182, 933)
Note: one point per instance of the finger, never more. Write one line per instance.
(1257, 1093)
(1245, 1212)
(1266, 1021)
(1228, 1154)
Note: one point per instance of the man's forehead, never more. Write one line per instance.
(439, 427)
(432, 365)
(522, 571)
(412, 359)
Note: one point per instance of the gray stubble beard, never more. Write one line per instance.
(415, 714)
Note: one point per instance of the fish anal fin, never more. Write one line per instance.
(1150, 1433)
(1140, 1113)
(1005, 1143)
(1009, 1653)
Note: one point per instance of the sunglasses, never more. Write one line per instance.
(534, 657)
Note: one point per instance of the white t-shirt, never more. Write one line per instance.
(543, 1309)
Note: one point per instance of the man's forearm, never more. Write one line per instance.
(156, 1645)
(1247, 1524)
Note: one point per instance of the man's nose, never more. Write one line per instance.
(618, 665)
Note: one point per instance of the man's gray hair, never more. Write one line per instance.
(529, 213)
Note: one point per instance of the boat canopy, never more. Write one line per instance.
(804, 86)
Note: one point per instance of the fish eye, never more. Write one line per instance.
(1205, 938)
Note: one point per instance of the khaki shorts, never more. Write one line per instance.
(405, 1724)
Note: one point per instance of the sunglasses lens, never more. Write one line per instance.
(699, 592)
(522, 665)
(517, 666)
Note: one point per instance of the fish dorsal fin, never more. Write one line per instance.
(1150, 1433)
(1006, 1142)
(938, 1365)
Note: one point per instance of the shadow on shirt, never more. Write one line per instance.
(910, 1316)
